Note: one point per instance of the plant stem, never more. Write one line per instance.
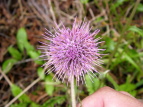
(122, 33)
(73, 101)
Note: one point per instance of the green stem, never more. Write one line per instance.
(73, 100)
(122, 33)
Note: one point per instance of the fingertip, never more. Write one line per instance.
(126, 93)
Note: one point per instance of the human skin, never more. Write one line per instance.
(108, 97)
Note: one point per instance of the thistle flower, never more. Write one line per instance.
(72, 52)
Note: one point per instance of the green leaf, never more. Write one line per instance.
(35, 55)
(130, 60)
(128, 86)
(17, 90)
(132, 53)
(89, 85)
(14, 53)
(137, 30)
(140, 83)
(28, 47)
(117, 4)
(127, 57)
(8, 64)
(19, 105)
(84, 1)
(41, 73)
(21, 38)
(99, 19)
(92, 86)
(54, 101)
(140, 7)
(110, 79)
(23, 41)
(110, 43)
(34, 105)
(49, 87)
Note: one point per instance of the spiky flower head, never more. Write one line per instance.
(72, 52)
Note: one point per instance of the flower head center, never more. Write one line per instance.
(73, 50)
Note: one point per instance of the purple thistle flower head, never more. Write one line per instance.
(72, 52)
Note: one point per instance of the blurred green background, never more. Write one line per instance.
(22, 24)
